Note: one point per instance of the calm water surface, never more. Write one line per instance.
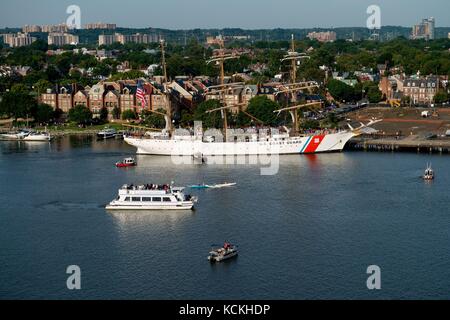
(308, 232)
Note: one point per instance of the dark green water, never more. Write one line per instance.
(308, 232)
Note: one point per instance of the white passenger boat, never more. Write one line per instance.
(152, 197)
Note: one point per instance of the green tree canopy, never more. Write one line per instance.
(43, 113)
(17, 104)
(263, 109)
(154, 120)
(209, 120)
(129, 115)
(80, 114)
(341, 91)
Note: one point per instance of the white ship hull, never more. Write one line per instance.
(127, 207)
(292, 145)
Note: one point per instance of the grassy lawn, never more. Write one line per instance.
(73, 127)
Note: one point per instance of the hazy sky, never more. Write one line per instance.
(250, 14)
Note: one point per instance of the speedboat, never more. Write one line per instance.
(228, 251)
(152, 197)
(107, 133)
(213, 186)
(126, 163)
(38, 137)
(16, 135)
(429, 173)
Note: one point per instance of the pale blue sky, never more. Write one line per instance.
(249, 14)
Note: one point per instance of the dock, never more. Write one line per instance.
(413, 143)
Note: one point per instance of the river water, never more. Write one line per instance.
(308, 232)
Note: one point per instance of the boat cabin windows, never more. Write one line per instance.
(127, 199)
(167, 200)
(144, 199)
(156, 200)
(136, 199)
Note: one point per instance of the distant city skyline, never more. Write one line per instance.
(204, 14)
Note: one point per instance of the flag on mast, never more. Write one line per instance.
(140, 94)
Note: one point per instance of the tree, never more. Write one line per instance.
(209, 120)
(341, 91)
(441, 97)
(263, 109)
(154, 120)
(104, 114)
(43, 113)
(42, 85)
(374, 94)
(129, 115)
(17, 104)
(80, 114)
(116, 113)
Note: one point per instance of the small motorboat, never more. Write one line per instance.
(38, 137)
(126, 163)
(429, 173)
(18, 135)
(223, 185)
(213, 186)
(107, 133)
(226, 252)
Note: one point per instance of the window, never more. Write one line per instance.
(156, 199)
(167, 200)
(147, 199)
(127, 199)
(136, 199)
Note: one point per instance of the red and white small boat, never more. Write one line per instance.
(126, 163)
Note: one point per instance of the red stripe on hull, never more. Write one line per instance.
(314, 144)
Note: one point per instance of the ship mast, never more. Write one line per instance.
(294, 87)
(220, 59)
(168, 115)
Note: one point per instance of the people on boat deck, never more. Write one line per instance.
(164, 187)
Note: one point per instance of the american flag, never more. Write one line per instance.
(140, 94)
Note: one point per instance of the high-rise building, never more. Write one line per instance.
(424, 30)
(32, 28)
(127, 38)
(328, 36)
(55, 28)
(61, 39)
(100, 25)
(15, 40)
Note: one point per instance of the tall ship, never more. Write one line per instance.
(246, 141)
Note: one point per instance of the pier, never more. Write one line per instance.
(412, 143)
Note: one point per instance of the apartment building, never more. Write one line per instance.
(328, 36)
(31, 28)
(61, 39)
(424, 30)
(421, 90)
(100, 26)
(15, 40)
(127, 38)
